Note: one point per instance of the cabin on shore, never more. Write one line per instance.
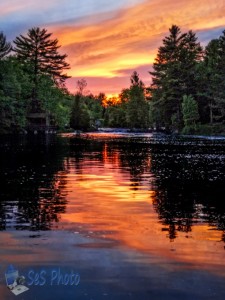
(40, 122)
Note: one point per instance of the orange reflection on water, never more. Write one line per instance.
(102, 203)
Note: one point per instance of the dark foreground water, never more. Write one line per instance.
(105, 216)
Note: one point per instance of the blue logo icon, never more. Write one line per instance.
(11, 275)
(15, 282)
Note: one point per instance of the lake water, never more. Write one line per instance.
(113, 216)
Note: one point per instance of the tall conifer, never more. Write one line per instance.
(173, 75)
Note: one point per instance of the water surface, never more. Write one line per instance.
(137, 216)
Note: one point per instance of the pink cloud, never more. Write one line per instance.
(107, 47)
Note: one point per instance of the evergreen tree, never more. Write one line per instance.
(173, 75)
(137, 115)
(5, 47)
(215, 78)
(40, 56)
(190, 113)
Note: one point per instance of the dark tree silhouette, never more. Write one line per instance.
(137, 106)
(173, 76)
(5, 47)
(40, 54)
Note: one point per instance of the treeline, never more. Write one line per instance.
(187, 93)
(188, 84)
(32, 80)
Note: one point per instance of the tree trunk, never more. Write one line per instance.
(211, 112)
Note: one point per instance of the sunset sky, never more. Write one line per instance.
(106, 40)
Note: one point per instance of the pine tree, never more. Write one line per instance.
(5, 47)
(137, 114)
(190, 113)
(215, 77)
(173, 75)
(39, 53)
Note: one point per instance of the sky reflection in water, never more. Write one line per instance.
(145, 201)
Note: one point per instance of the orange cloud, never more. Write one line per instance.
(130, 38)
(102, 44)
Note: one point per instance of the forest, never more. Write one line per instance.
(186, 93)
